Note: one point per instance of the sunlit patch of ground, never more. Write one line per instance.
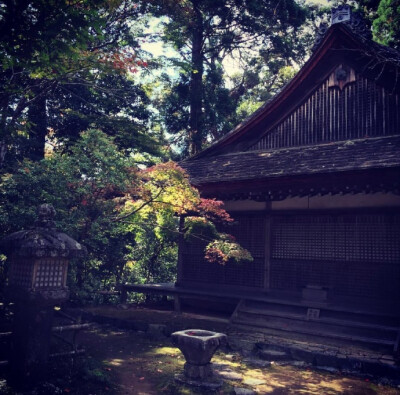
(289, 380)
(146, 364)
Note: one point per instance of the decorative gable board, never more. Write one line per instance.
(345, 106)
(348, 89)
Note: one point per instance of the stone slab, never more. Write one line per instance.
(229, 375)
(251, 381)
(260, 363)
(206, 385)
(243, 391)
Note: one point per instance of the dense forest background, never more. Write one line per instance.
(91, 120)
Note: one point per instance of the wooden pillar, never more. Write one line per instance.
(124, 295)
(177, 304)
(267, 252)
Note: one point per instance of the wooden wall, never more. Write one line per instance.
(350, 254)
(354, 253)
(361, 109)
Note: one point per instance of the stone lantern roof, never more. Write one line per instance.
(42, 240)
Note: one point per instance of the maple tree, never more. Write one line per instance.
(125, 214)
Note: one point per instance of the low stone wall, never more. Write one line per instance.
(340, 358)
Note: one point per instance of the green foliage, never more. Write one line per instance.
(126, 217)
(93, 371)
(225, 249)
(85, 188)
(247, 107)
(64, 68)
(258, 84)
(386, 26)
(110, 103)
(219, 107)
(155, 255)
(199, 228)
(199, 107)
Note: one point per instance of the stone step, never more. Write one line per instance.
(390, 330)
(328, 312)
(312, 332)
(323, 322)
(273, 355)
(295, 325)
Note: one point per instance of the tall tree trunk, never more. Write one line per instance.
(196, 84)
(3, 151)
(80, 273)
(37, 117)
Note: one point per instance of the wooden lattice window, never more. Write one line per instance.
(38, 273)
(340, 238)
(351, 255)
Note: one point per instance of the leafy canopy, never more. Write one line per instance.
(64, 67)
(198, 107)
(121, 212)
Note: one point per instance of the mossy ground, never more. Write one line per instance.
(130, 362)
(141, 363)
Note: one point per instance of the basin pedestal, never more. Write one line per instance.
(198, 372)
(198, 347)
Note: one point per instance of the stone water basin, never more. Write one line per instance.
(198, 347)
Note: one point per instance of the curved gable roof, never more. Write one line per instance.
(339, 44)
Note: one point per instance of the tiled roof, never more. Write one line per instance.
(369, 153)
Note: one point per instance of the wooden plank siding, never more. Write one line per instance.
(355, 255)
(361, 109)
(351, 254)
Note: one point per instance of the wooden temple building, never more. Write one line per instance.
(312, 180)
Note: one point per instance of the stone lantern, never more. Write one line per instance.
(37, 281)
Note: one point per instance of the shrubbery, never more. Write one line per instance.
(127, 217)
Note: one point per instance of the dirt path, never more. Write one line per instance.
(142, 363)
(119, 351)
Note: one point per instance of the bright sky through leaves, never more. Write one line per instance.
(158, 48)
